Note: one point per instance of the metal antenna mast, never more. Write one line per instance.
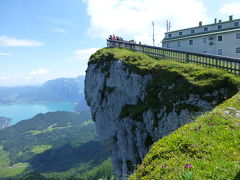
(153, 34)
(168, 25)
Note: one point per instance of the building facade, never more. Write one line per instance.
(220, 38)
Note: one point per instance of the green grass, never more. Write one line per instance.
(5, 169)
(40, 148)
(87, 122)
(48, 129)
(210, 144)
(4, 161)
(54, 127)
(35, 132)
(13, 170)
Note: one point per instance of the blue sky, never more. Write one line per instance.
(47, 39)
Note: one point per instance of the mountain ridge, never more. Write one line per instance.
(57, 90)
(60, 89)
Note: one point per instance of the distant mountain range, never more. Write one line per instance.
(57, 90)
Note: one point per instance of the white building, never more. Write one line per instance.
(220, 38)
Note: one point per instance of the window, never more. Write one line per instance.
(204, 51)
(236, 24)
(220, 26)
(238, 50)
(192, 31)
(204, 40)
(169, 35)
(219, 38)
(168, 45)
(190, 42)
(179, 44)
(205, 29)
(180, 33)
(238, 36)
(220, 51)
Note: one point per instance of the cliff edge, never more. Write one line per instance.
(137, 100)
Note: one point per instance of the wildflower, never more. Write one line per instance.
(188, 166)
(164, 166)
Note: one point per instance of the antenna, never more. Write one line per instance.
(153, 34)
(168, 25)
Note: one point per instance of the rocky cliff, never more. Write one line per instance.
(136, 100)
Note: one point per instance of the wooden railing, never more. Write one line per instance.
(228, 63)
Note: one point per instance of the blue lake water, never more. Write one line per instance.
(18, 112)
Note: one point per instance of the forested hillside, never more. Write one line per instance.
(53, 145)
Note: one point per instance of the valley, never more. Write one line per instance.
(53, 145)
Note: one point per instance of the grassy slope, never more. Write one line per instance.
(210, 144)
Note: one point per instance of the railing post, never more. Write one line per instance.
(163, 54)
(187, 58)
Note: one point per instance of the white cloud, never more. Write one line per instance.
(29, 77)
(39, 72)
(231, 9)
(84, 54)
(133, 18)
(13, 42)
(34, 74)
(57, 30)
(2, 78)
(4, 54)
(80, 59)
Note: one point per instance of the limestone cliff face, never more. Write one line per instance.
(112, 88)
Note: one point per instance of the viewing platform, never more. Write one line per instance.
(227, 63)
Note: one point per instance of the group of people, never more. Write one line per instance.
(113, 37)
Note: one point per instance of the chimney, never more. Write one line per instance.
(231, 18)
(200, 23)
(215, 20)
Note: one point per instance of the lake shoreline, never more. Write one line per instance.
(23, 111)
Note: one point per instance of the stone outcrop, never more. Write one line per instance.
(111, 87)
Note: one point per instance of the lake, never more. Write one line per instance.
(18, 112)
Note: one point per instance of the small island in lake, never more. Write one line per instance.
(4, 122)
